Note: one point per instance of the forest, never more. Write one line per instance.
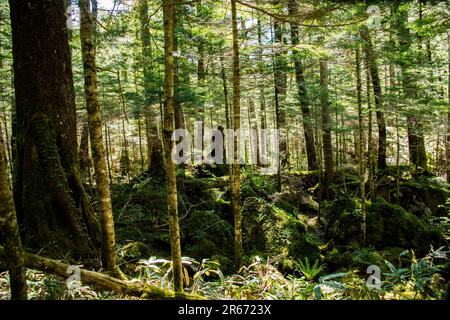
(224, 150)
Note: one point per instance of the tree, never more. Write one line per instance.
(10, 231)
(235, 169)
(49, 196)
(308, 130)
(95, 134)
(169, 119)
(326, 130)
(376, 85)
(153, 142)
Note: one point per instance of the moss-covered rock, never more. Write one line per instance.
(390, 225)
(272, 232)
(425, 195)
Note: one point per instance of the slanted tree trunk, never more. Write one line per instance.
(326, 131)
(376, 85)
(50, 200)
(9, 230)
(131, 288)
(308, 129)
(95, 133)
(236, 171)
(169, 119)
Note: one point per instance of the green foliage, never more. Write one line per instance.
(308, 270)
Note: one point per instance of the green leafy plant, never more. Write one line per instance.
(310, 271)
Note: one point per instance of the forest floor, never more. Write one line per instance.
(296, 245)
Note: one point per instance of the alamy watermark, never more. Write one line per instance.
(214, 146)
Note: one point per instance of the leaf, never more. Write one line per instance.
(186, 277)
(332, 276)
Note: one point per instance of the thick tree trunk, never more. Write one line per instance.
(169, 119)
(95, 133)
(48, 192)
(376, 85)
(308, 129)
(236, 172)
(326, 131)
(9, 230)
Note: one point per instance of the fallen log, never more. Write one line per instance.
(132, 288)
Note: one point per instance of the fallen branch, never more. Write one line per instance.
(132, 288)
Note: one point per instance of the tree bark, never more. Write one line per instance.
(48, 192)
(95, 133)
(169, 119)
(9, 230)
(236, 172)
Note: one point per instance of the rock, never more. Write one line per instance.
(271, 231)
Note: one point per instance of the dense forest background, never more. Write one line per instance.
(92, 205)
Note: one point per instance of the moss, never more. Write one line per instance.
(390, 225)
(273, 232)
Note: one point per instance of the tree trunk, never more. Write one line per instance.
(372, 64)
(326, 131)
(236, 172)
(169, 119)
(448, 111)
(83, 152)
(95, 133)
(362, 167)
(48, 191)
(9, 230)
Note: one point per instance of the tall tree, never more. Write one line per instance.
(308, 129)
(10, 232)
(376, 85)
(153, 143)
(50, 199)
(407, 61)
(326, 130)
(169, 119)
(95, 133)
(235, 169)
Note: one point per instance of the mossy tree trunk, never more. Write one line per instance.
(10, 232)
(95, 134)
(235, 169)
(50, 200)
(169, 119)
